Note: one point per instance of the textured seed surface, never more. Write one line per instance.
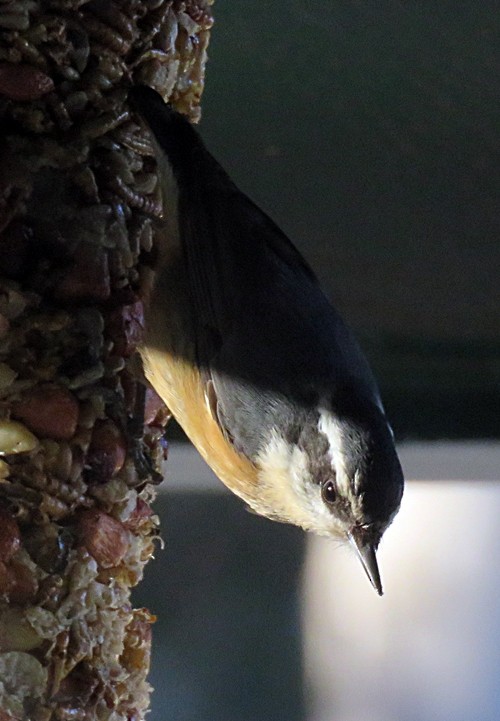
(23, 82)
(10, 536)
(15, 438)
(104, 537)
(50, 411)
(79, 202)
(106, 454)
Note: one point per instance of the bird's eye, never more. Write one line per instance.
(328, 492)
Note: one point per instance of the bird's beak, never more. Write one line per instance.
(365, 551)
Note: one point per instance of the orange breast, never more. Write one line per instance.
(178, 383)
(168, 359)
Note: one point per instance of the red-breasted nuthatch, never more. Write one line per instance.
(254, 362)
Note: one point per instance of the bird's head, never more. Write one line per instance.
(339, 477)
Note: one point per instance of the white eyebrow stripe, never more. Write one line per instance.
(357, 481)
(332, 429)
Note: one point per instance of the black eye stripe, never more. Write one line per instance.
(322, 472)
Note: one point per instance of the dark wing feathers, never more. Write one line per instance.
(265, 332)
(226, 237)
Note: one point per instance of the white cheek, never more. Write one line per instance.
(319, 517)
(287, 491)
(322, 519)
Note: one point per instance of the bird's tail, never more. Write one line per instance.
(172, 131)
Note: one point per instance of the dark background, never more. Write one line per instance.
(370, 133)
(227, 643)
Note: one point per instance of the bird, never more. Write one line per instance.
(253, 360)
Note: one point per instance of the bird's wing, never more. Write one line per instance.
(265, 334)
(232, 249)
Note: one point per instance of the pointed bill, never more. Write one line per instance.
(366, 554)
